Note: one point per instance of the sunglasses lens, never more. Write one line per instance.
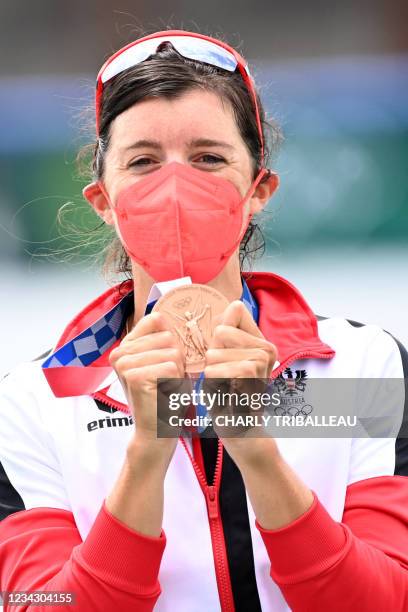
(130, 57)
(192, 48)
(205, 51)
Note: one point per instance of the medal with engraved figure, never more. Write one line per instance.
(192, 311)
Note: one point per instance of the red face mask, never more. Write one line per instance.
(179, 221)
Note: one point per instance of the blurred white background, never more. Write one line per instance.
(365, 285)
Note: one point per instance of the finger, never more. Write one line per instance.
(166, 369)
(265, 357)
(157, 340)
(127, 362)
(151, 323)
(237, 315)
(225, 336)
(232, 369)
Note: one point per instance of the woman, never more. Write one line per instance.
(93, 502)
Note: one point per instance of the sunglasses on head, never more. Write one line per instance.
(190, 45)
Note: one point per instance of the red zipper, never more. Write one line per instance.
(211, 493)
(108, 401)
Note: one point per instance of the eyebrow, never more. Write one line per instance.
(198, 142)
(208, 142)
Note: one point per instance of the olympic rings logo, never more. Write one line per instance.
(182, 303)
(293, 411)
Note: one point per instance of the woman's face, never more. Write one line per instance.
(197, 128)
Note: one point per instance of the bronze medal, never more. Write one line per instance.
(192, 312)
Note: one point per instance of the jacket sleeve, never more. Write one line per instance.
(360, 563)
(114, 567)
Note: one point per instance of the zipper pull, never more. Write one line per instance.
(212, 501)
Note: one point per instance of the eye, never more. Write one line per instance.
(209, 159)
(142, 162)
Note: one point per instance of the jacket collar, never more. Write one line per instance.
(284, 318)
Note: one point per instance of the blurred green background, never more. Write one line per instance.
(343, 164)
(358, 192)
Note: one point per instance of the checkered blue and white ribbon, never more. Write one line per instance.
(90, 344)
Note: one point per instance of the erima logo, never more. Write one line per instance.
(109, 421)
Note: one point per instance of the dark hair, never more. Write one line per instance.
(167, 74)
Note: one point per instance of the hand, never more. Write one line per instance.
(238, 350)
(150, 351)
